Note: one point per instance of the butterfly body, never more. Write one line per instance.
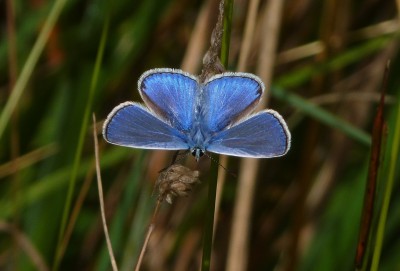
(183, 113)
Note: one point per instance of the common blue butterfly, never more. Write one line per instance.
(211, 116)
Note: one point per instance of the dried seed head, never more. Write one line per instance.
(176, 181)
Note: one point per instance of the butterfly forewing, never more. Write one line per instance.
(262, 135)
(171, 95)
(132, 125)
(229, 97)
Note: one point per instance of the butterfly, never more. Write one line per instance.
(182, 113)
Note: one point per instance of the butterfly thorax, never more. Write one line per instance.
(198, 140)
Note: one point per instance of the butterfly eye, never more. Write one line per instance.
(196, 152)
(201, 153)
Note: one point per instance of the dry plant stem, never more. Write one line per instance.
(370, 192)
(223, 160)
(271, 26)
(243, 57)
(300, 52)
(101, 197)
(26, 245)
(317, 47)
(398, 9)
(148, 235)
(387, 194)
(27, 160)
(78, 205)
(192, 59)
(248, 35)
(211, 62)
(238, 248)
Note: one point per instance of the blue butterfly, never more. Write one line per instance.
(212, 116)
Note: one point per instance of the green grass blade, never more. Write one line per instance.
(321, 115)
(394, 156)
(30, 64)
(79, 149)
(228, 12)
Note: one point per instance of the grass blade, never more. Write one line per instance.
(394, 156)
(78, 153)
(30, 64)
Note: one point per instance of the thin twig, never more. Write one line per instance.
(101, 197)
(78, 206)
(148, 235)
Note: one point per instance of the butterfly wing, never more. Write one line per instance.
(132, 125)
(227, 98)
(262, 135)
(170, 94)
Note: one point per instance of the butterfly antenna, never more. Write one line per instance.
(215, 161)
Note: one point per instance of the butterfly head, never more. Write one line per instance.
(197, 153)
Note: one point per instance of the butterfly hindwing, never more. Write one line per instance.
(262, 135)
(132, 125)
(228, 97)
(171, 95)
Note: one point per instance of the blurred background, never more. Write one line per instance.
(323, 64)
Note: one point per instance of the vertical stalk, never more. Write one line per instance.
(226, 38)
(212, 186)
(394, 156)
(209, 224)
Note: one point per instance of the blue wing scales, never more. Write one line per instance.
(262, 135)
(228, 97)
(171, 95)
(132, 125)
